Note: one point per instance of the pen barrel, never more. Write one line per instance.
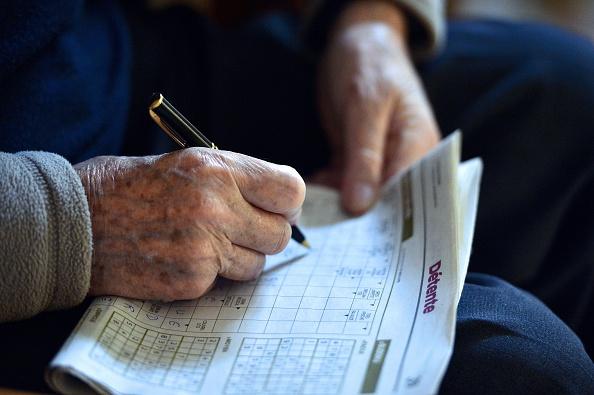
(172, 121)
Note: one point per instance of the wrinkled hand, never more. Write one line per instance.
(372, 103)
(165, 226)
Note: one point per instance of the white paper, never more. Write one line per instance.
(370, 309)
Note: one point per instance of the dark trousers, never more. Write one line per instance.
(522, 94)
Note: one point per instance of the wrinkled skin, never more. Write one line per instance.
(165, 226)
(372, 103)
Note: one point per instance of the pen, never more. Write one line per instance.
(187, 135)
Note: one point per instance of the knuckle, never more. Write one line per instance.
(198, 282)
(283, 236)
(202, 285)
(295, 215)
(248, 268)
(221, 172)
(195, 287)
(223, 256)
(173, 292)
(369, 157)
(293, 187)
(203, 257)
(209, 209)
(363, 91)
(257, 268)
(190, 158)
(205, 164)
(366, 162)
(214, 169)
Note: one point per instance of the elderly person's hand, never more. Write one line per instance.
(372, 103)
(165, 226)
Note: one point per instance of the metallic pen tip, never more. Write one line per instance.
(306, 244)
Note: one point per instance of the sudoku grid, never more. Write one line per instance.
(140, 353)
(335, 292)
(290, 366)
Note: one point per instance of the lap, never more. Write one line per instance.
(507, 341)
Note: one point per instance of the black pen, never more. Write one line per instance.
(187, 135)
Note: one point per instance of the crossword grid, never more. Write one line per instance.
(328, 292)
(316, 366)
(140, 353)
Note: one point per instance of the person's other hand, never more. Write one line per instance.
(372, 103)
(165, 226)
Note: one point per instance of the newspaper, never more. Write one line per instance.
(370, 309)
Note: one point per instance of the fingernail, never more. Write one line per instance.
(362, 196)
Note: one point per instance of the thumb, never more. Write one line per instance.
(366, 128)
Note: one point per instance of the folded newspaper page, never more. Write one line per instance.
(370, 309)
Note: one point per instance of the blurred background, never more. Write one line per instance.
(574, 15)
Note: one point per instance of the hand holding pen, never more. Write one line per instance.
(165, 227)
(186, 135)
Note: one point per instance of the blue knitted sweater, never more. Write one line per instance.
(64, 74)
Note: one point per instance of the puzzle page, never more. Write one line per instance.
(369, 309)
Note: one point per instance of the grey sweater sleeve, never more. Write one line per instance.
(45, 235)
